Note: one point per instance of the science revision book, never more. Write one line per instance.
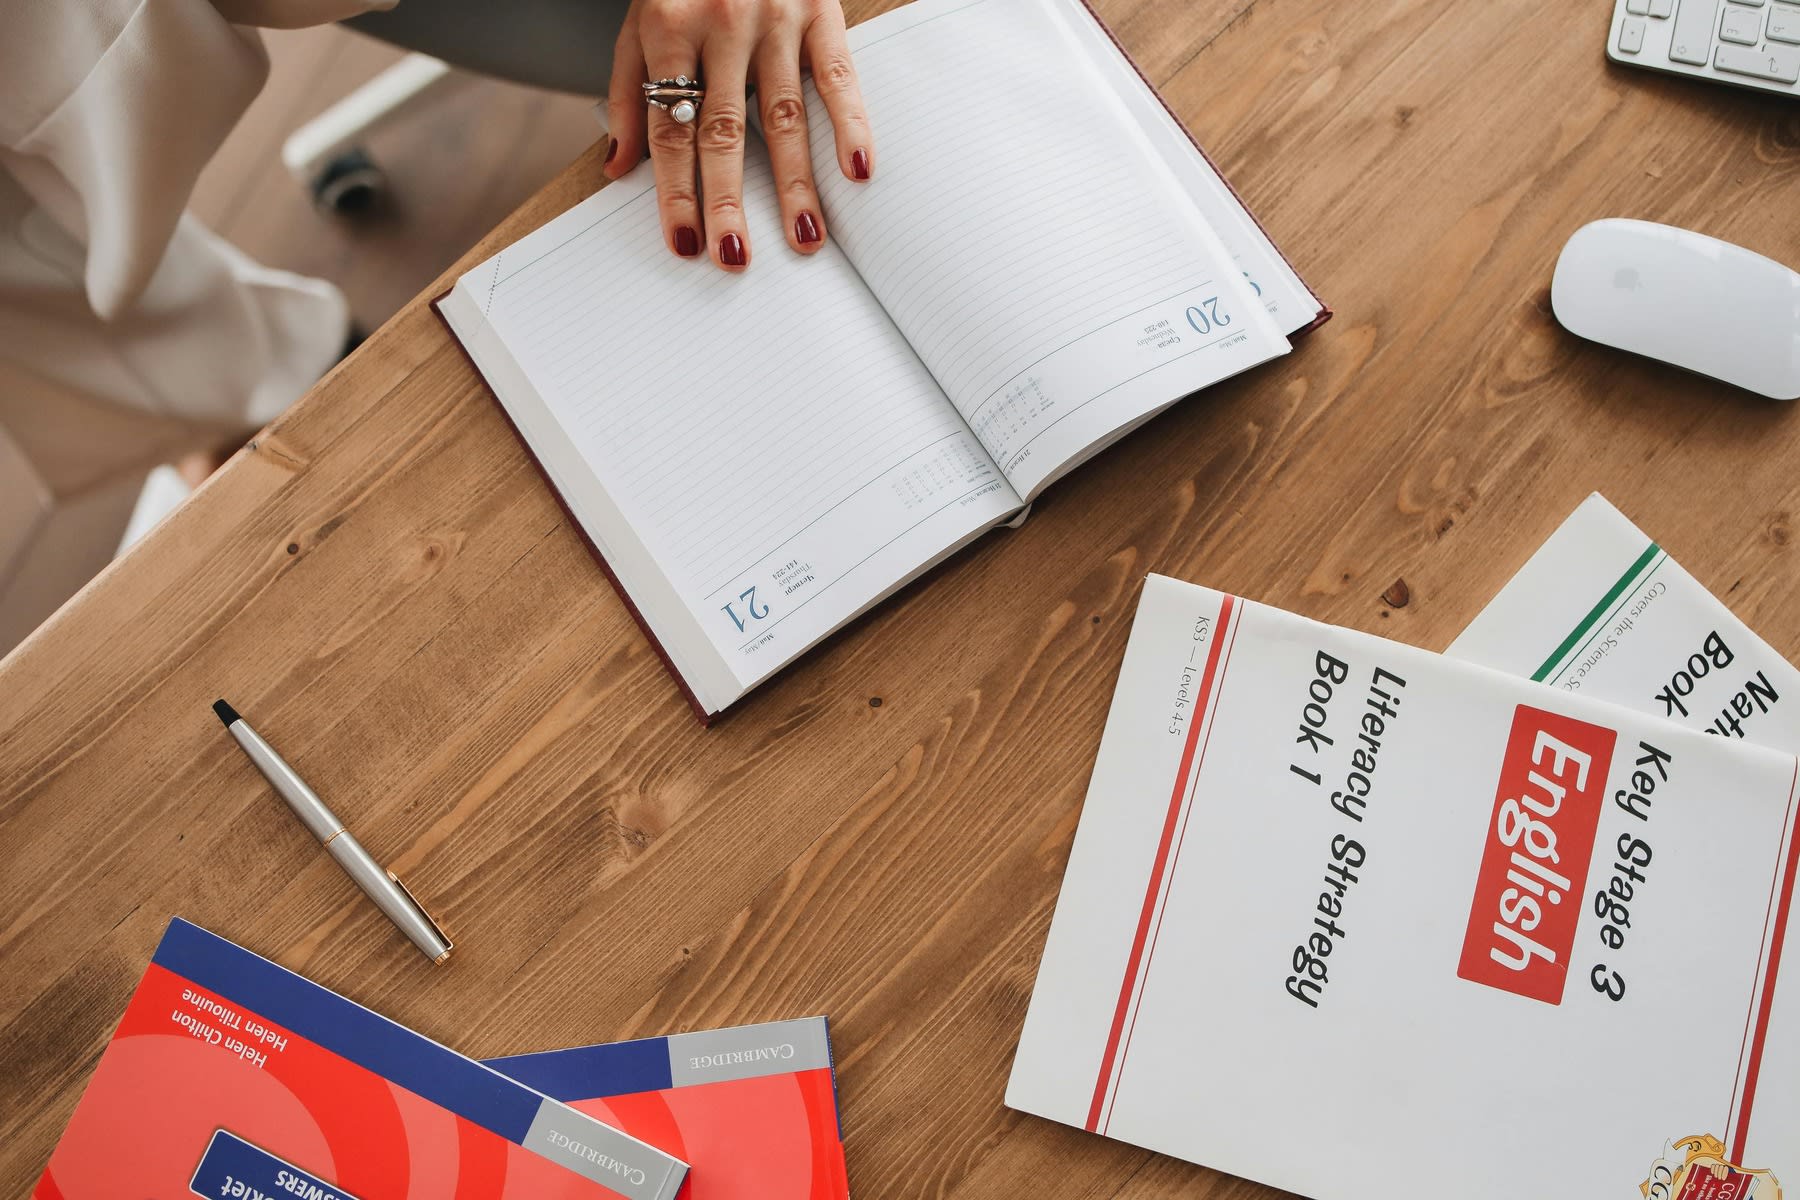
(1603, 610)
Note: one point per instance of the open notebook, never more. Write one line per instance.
(1043, 261)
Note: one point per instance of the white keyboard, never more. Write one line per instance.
(1752, 43)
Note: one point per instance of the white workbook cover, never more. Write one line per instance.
(1362, 921)
(1603, 610)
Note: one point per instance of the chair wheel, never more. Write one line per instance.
(349, 184)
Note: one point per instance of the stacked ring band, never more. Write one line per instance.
(679, 96)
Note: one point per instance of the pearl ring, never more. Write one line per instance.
(680, 96)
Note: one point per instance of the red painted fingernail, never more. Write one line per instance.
(859, 164)
(611, 150)
(687, 242)
(806, 230)
(731, 250)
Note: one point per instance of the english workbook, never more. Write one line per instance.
(1355, 919)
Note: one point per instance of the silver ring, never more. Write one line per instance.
(679, 96)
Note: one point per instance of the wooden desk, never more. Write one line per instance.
(384, 585)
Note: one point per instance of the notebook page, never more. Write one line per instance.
(1289, 301)
(769, 438)
(1023, 236)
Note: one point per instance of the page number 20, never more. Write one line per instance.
(757, 611)
(1206, 316)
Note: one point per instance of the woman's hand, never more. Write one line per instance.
(700, 166)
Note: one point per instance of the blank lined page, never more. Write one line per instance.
(1290, 303)
(1021, 234)
(770, 437)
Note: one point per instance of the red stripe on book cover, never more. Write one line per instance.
(1174, 865)
(1147, 914)
(1742, 1134)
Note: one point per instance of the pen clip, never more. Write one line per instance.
(423, 912)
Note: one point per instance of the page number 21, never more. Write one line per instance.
(747, 598)
(1206, 316)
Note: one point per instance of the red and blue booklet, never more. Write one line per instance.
(754, 1108)
(232, 1077)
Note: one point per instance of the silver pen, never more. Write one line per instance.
(380, 885)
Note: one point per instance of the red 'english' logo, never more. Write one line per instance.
(1534, 867)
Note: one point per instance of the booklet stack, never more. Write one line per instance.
(232, 1077)
(1362, 921)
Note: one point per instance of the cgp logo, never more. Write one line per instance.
(1534, 865)
(1695, 1168)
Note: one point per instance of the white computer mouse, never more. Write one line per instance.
(1685, 299)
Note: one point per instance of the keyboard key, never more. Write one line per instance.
(1779, 63)
(1638, 8)
(1691, 38)
(1784, 24)
(1741, 25)
(1631, 35)
(1662, 8)
(1749, 3)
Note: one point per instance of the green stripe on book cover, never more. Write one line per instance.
(1638, 570)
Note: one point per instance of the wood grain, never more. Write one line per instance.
(383, 585)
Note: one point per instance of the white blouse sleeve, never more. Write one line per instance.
(112, 107)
